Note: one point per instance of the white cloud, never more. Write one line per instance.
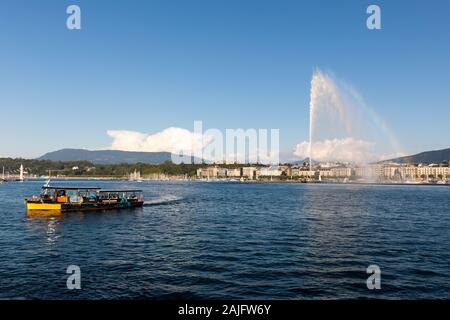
(343, 150)
(172, 139)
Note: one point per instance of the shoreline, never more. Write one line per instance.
(238, 181)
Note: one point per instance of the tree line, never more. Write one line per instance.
(89, 169)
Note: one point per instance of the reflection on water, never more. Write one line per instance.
(52, 235)
(337, 218)
(44, 223)
(231, 240)
(43, 214)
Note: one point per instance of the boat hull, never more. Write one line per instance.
(67, 207)
(43, 206)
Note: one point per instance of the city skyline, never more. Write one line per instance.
(151, 67)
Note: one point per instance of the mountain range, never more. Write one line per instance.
(107, 156)
(117, 156)
(427, 157)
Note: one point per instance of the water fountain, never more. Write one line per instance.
(341, 126)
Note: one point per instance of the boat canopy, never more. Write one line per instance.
(92, 189)
(118, 190)
(70, 188)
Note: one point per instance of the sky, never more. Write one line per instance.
(154, 67)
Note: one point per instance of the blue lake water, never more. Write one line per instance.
(232, 240)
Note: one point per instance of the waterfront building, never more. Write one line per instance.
(431, 171)
(301, 172)
(409, 172)
(221, 172)
(325, 173)
(341, 172)
(234, 173)
(249, 172)
(369, 172)
(212, 172)
(294, 172)
(391, 171)
(374, 172)
(269, 172)
(207, 173)
(394, 171)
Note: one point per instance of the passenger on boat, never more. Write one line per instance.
(61, 196)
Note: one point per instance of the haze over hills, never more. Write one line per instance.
(427, 157)
(107, 156)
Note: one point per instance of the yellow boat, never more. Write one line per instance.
(62, 199)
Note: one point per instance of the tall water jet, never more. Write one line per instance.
(341, 126)
(311, 107)
(324, 94)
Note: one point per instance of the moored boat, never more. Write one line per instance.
(64, 199)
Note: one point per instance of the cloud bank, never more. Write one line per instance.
(175, 140)
(342, 150)
(211, 145)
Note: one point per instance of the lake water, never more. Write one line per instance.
(232, 240)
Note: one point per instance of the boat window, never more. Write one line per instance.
(71, 193)
(83, 193)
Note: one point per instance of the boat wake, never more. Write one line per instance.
(164, 200)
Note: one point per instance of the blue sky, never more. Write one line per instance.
(148, 65)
